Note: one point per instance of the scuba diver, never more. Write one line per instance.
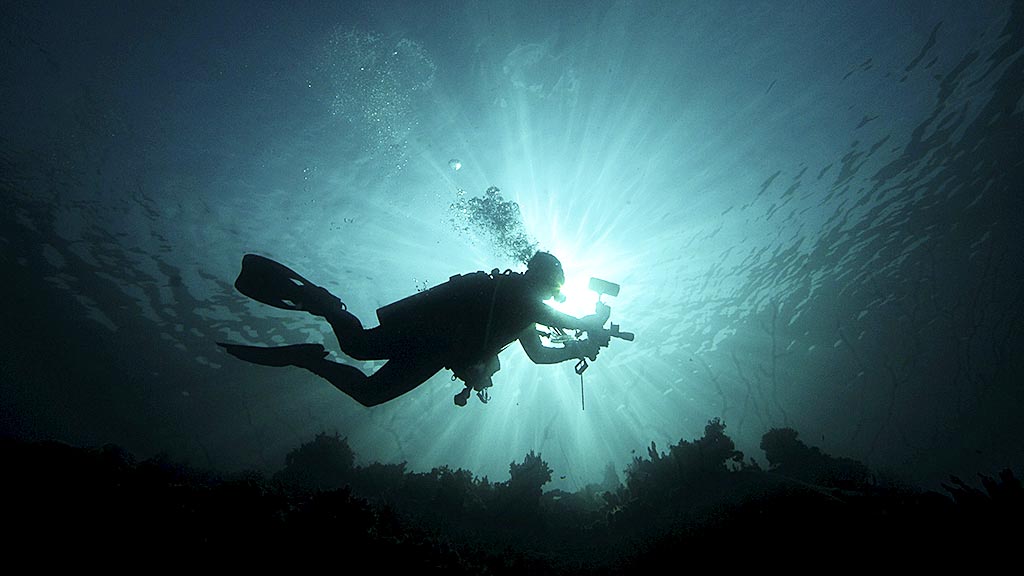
(461, 325)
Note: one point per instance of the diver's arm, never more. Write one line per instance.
(555, 319)
(541, 354)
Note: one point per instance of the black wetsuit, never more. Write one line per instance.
(457, 325)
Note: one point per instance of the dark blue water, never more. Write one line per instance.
(813, 211)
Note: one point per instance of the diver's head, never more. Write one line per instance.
(544, 271)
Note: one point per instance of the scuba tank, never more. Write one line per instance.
(440, 303)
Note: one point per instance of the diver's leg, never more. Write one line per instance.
(354, 340)
(395, 378)
(293, 355)
(360, 343)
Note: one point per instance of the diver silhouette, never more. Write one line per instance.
(461, 325)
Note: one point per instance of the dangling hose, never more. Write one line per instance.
(490, 312)
(583, 400)
(460, 398)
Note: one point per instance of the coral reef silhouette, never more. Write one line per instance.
(701, 501)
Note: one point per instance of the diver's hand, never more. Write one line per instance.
(596, 320)
(585, 348)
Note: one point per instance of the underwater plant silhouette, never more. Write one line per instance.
(700, 496)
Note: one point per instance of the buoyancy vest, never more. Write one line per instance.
(469, 318)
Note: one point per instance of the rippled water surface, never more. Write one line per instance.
(813, 209)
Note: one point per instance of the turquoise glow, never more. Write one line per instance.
(802, 203)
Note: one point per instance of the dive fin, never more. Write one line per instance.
(293, 355)
(277, 285)
(270, 282)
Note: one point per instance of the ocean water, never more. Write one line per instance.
(813, 210)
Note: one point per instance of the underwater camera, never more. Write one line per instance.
(603, 337)
(600, 337)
